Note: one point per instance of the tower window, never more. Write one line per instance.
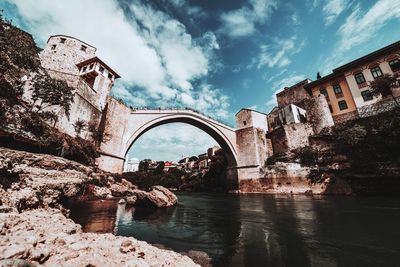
(324, 92)
(376, 72)
(83, 48)
(394, 64)
(244, 123)
(62, 40)
(367, 95)
(91, 66)
(342, 105)
(53, 47)
(359, 78)
(337, 89)
(101, 69)
(110, 76)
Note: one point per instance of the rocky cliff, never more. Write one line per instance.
(35, 227)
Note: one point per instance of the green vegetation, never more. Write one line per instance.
(49, 92)
(211, 180)
(24, 125)
(384, 86)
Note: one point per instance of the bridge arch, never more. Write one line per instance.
(222, 134)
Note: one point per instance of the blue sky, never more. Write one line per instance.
(215, 56)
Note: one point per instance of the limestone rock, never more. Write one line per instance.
(159, 197)
(131, 200)
(61, 242)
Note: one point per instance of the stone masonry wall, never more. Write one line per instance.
(63, 57)
(116, 127)
(290, 137)
(318, 113)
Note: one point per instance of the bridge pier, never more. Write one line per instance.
(252, 147)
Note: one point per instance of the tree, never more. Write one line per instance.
(384, 86)
(143, 165)
(48, 92)
(79, 126)
(98, 133)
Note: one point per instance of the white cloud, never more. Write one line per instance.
(242, 22)
(278, 86)
(278, 53)
(170, 142)
(333, 8)
(361, 26)
(148, 48)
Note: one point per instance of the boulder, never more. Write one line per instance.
(102, 192)
(131, 200)
(158, 197)
(119, 190)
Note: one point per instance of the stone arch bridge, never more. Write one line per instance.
(125, 125)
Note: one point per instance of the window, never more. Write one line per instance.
(395, 64)
(244, 123)
(337, 89)
(101, 69)
(83, 48)
(359, 78)
(376, 72)
(110, 76)
(330, 108)
(324, 92)
(91, 66)
(84, 69)
(53, 47)
(367, 95)
(62, 40)
(342, 105)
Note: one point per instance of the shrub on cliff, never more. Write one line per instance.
(18, 53)
(384, 86)
(49, 92)
(307, 156)
(351, 136)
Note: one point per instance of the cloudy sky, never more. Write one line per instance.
(214, 56)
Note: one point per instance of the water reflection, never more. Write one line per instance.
(261, 230)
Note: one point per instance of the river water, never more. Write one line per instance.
(261, 230)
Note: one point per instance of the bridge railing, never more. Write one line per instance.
(145, 108)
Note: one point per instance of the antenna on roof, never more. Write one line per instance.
(318, 75)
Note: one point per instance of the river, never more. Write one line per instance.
(261, 230)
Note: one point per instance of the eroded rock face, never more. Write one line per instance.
(41, 234)
(46, 236)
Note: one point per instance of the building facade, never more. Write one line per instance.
(347, 87)
(74, 61)
(337, 93)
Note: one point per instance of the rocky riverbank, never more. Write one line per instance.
(34, 226)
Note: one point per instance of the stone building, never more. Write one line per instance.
(75, 61)
(338, 95)
(132, 165)
(286, 115)
(347, 87)
(293, 94)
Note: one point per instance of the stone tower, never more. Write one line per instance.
(75, 61)
(252, 146)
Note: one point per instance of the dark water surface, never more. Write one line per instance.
(261, 230)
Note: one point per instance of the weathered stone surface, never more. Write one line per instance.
(61, 242)
(159, 196)
(131, 200)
